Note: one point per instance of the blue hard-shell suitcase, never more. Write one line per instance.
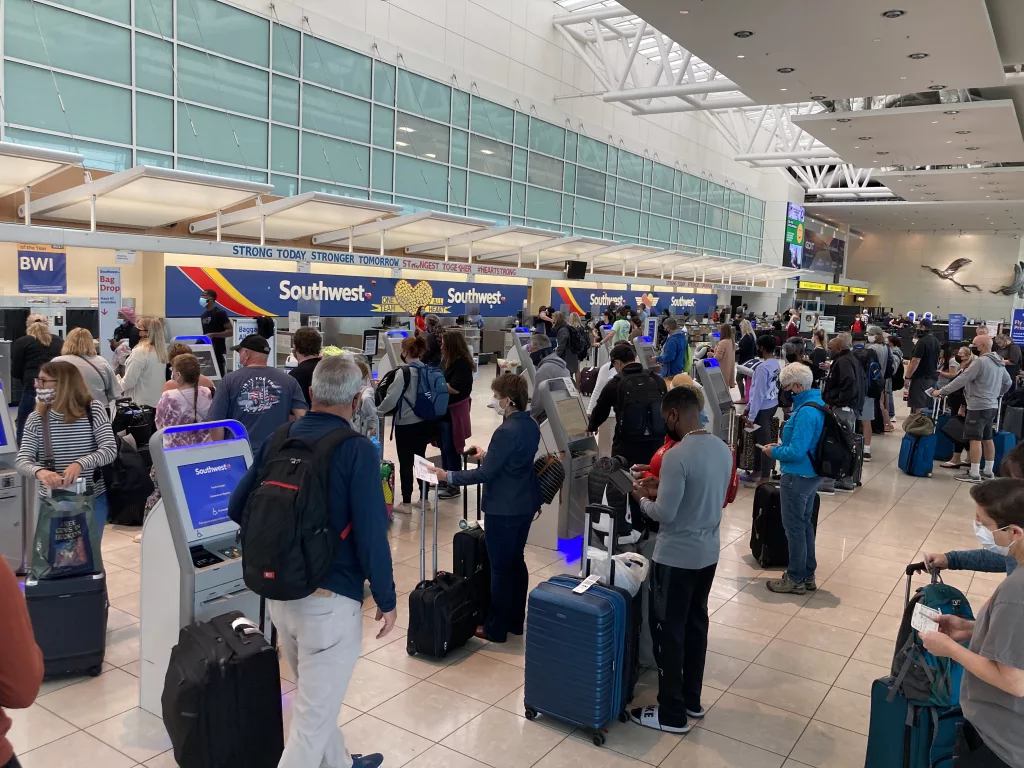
(901, 736)
(944, 447)
(917, 455)
(1005, 442)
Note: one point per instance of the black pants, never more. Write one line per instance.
(411, 440)
(970, 751)
(762, 464)
(678, 618)
(12, 763)
(510, 579)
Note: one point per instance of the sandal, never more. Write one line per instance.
(951, 465)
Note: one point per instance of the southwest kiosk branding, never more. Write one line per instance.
(582, 301)
(208, 487)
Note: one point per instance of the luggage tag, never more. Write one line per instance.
(586, 584)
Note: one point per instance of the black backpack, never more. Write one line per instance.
(833, 456)
(288, 537)
(128, 482)
(578, 343)
(873, 375)
(638, 410)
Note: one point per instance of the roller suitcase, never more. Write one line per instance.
(917, 454)
(1005, 442)
(221, 702)
(55, 606)
(443, 609)
(768, 543)
(944, 447)
(472, 564)
(901, 736)
(1013, 421)
(588, 380)
(858, 459)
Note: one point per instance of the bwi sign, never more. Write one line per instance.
(42, 269)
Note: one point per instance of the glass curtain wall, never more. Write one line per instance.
(204, 86)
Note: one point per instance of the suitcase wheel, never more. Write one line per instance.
(598, 739)
(531, 713)
(410, 648)
(95, 671)
(624, 716)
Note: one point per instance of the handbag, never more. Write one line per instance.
(919, 425)
(550, 473)
(954, 429)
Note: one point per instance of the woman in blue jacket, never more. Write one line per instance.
(511, 498)
(800, 483)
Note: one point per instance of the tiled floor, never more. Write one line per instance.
(786, 682)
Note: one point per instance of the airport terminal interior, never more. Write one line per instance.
(342, 165)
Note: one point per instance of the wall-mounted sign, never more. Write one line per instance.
(42, 268)
(108, 290)
(1017, 328)
(956, 327)
(838, 288)
(582, 300)
(805, 285)
(859, 291)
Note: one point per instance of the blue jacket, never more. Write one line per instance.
(356, 498)
(673, 355)
(980, 560)
(510, 484)
(800, 436)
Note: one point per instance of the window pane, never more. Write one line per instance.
(69, 41)
(286, 50)
(628, 193)
(152, 158)
(712, 238)
(518, 200)
(221, 83)
(613, 159)
(490, 194)
(154, 122)
(285, 186)
(154, 65)
(519, 164)
(460, 148)
(284, 145)
(661, 202)
(490, 156)
(94, 110)
(522, 130)
(590, 183)
(753, 227)
(592, 153)
(424, 97)
(716, 194)
(383, 170)
(384, 83)
(491, 119)
(737, 201)
(215, 139)
(660, 229)
(609, 188)
(714, 217)
(336, 67)
(545, 171)
(460, 109)
(118, 10)
(341, 162)
(757, 208)
(691, 186)
(336, 114)
(568, 210)
(571, 139)
(648, 171)
(422, 138)
(735, 222)
(383, 127)
(751, 247)
(688, 234)
(542, 204)
(545, 137)
(285, 104)
(311, 185)
(689, 210)
(155, 16)
(382, 197)
(419, 178)
(663, 177)
(631, 166)
(225, 29)
(214, 169)
(96, 155)
(734, 243)
(569, 178)
(411, 206)
(457, 187)
(627, 222)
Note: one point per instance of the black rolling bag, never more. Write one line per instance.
(69, 620)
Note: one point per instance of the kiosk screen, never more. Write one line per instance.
(572, 418)
(208, 486)
(207, 364)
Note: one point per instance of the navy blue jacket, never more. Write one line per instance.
(510, 484)
(356, 498)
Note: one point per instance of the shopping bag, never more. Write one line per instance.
(67, 540)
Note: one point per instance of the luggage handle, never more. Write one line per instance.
(423, 527)
(246, 626)
(613, 537)
(915, 568)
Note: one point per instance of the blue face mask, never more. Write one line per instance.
(202, 302)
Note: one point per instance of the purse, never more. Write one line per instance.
(550, 473)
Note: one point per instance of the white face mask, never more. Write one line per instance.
(496, 405)
(202, 302)
(46, 395)
(987, 539)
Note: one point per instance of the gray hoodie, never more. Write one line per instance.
(404, 413)
(984, 381)
(551, 367)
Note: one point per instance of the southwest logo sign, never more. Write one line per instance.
(649, 299)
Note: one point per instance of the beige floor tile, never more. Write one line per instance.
(821, 636)
(982, 588)
(166, 760)
(116, 619)
(843, 616)
(35, 727)
(893, 606)
(113, 541)
(539, 557)
(429, 710)
(122, 583)
(846, 709)
(136, 733)
(134, 668)
(794, 764)
(721, 671)
(737, 643)
(876, 650)
(896, 554)
(799, 660)
(513, 651)
(395, 656)
(780, 689)
(757, 595)
(576, 753)
(402, 607)
(515, 704)
(839, 543)
(751, 722)
(857, 676)
(885, 627)
(125, 557)
(726, 588)
(480, 677)
(123, 645)
(95, 700)
(751, 619)
(888, 567)
(442, 757)
(705, 749)
(826, 746)
(879, 582)
(370, 630)
(129, 604)
(79, 750)
(849, 596)
(407, 575)
(49, 686)
(737, 569)
(503, 740)
(373, 684)
(367, 734)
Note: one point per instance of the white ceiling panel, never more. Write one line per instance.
(923, 217)
(939, 134)
(981, 184)
(837, 48)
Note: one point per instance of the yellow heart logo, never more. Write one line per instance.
(411, 297)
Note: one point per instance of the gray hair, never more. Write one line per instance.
(432, 320)
(336, 381)
(796, 373)
(845, 340)
(876, 334)
(671, 324)
(539, 341)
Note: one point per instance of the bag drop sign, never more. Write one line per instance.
(42, 269)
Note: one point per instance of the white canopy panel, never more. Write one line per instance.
(487, 242)
(403, 231)
(22, 165)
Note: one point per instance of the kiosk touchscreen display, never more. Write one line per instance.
(207, 363)
(572, 418)
(208, 486)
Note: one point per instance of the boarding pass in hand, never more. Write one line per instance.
(924, 619)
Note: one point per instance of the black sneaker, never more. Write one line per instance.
(448, 492)
(368, 761)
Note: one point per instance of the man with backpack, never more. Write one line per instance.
(314, 529)
(874, 386)
(844, 392)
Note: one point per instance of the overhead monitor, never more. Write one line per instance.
(202, 348)
(572, 418)
(794, 255)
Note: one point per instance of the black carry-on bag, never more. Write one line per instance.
(443, 610)
(470, 553)
(69, 621)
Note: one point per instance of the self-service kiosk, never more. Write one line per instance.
(202, 348)
(564, 430)
(718, 405)
(17, 513)
(392, 357)
(521, 342)
(645, 353)
(191, 561)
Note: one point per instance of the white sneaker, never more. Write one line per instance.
(137, 538)
(648, 718)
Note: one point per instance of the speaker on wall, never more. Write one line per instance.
(575, 270)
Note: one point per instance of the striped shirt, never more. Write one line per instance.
(90, 443)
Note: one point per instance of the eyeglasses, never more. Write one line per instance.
(41, 382)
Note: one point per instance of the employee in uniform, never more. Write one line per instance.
(216, 325)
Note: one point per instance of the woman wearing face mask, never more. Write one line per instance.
(992, 691)
(421, 319)
(511, 497)
(957, 404)
(36, 347)
(78, 431)
(145, 372)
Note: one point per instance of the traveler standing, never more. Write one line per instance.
(984, 382)
(126, 329)
(673, 354)
(28, 353)
(145, 371)
(793, 326)
(563, 346)
(886, 361)
(21, 661)
(544, 322)
(872, 373)
(306, 346)
(261, 397)
(1010, 353)
(511, 498)
(216, 325)
(725, 354)
(819, 355)
(761, 406)
(186, 400)
(173, 351)
(799, 485)
(844, 389)
(898, 380)
(746, 352)
(321, 635)
(433, 338)
(547, 365)
(80, 350)
(642, 315)
(605, 373)
(78, 431)
(620, 329)
(689, 495)
(455, 426)
(923, 368)
(412, 434)
(957, 405)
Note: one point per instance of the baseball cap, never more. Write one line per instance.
(925, 322)
(255, 343)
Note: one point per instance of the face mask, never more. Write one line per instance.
(202, 302)
(120, 321)
(537, 357)
(987, 539)
(496, 405)
(46, 395)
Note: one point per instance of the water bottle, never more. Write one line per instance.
(376, 444)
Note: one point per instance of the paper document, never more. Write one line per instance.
(924, 619)
(751, 428)
(423, 470)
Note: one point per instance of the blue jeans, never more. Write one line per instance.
(450, 459)
(101, 511)
(798, 495)
(26, 405)
(505, 536)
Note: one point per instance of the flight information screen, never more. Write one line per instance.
(208, 486)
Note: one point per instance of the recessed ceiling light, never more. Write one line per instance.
(895, 13)
(486, 152)
(782, 89)
(963, 133)
(864, 138)
(401, 143)
(684, 12)
(833, 128)
(817, 98)
(935, 122)
(881, 153)
(951, 112)
(406, 129)
(973, 149)
(877, 40)
(899, 179)
(950, 141)
(743, 34)
(784, 70)
(740, 56)
(958, 157)
(843, 120)
(429, 154)
(904, 77)
(857, 147)
(936, 87)
(918, 56)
